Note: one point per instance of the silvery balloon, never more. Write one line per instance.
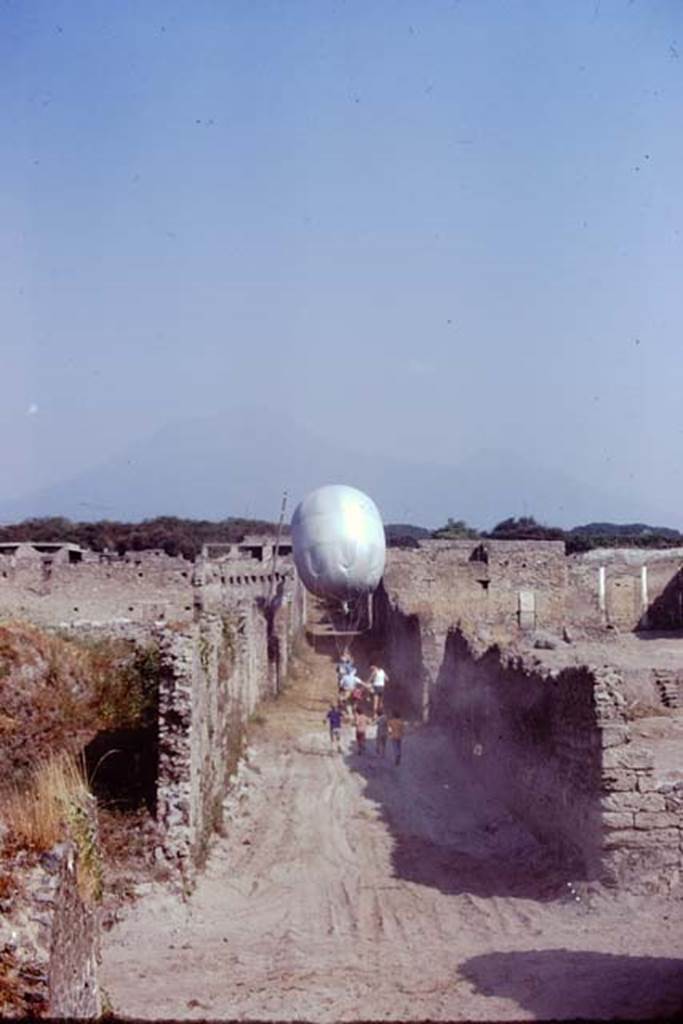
(338, 542)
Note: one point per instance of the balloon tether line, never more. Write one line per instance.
(276, 549)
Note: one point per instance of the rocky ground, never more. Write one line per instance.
(346, 888)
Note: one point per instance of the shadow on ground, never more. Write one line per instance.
(558, 984)
(447, 834)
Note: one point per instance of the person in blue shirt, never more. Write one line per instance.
(334, 720)
(345, 665)
(347, 684)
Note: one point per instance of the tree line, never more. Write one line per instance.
(577, 539)
(185, 537)
(175, 536)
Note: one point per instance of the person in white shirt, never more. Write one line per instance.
(378, 679)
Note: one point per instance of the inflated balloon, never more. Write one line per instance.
(338, 542)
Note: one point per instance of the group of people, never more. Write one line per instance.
(353, 691)
(364, 703)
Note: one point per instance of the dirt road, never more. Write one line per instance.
(350, 889)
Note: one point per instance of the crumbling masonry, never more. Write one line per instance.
(471, 633)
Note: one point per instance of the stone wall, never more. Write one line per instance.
(141, 589)
(214, 672)
(508, 587)
(101, 591)
(50, 938)
(224, 634)
(533, 739)
(555, 745)
(399, 637)
(502, 584)
(222, 584)
(642, 807)
(214, 669)
(493, 589)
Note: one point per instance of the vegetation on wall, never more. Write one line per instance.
(125, 683)
(57, 691)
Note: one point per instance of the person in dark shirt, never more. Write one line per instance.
(334, 720)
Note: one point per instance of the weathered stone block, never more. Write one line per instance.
(617, 781)
(627, 756)
(613, 735)
(616, 819)
(642, 839)
(652, 819)
(633, 802)
(647, 783)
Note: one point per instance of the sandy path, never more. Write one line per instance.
(348, 889)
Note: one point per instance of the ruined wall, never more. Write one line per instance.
(502, 588)
(224, 638)
(214, 672)
(480, 582)
(491, 589)
(222, 587)
(223, 583)
(534, 740)
(100, 591)
(499, 586)
(74, 947)
(221, 651)
(555, 745)
(398, 637)
(50, 938)
(625, 588)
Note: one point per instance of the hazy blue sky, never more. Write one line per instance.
(423, 228)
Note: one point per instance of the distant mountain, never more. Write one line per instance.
(238, 464)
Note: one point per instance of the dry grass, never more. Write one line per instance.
(57, 804)
(37, 814)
